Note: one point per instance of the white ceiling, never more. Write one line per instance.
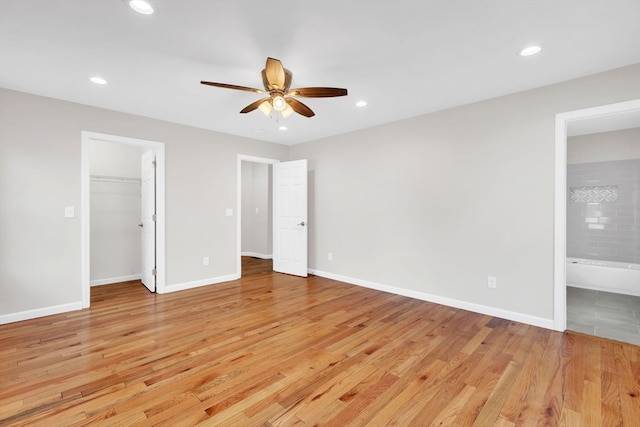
(405, 58)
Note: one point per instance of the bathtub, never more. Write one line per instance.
(609, 276)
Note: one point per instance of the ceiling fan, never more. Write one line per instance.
(277, 83)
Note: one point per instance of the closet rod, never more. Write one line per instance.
(104, 178)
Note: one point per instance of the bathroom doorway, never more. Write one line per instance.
(598, 177)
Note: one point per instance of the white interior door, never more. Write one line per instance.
(290, 217)
(148, 224)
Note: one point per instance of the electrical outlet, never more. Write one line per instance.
(492, 282)
(330, 256)
(205, 260)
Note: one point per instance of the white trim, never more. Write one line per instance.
(111, 280)
(39, 312)
(560, 227)
(244, 158)
(85, 220)
(450, 302)
(257, 255)
(199, 283)
(560, 200)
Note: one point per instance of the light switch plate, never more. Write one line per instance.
(229, 212)
(69, 212)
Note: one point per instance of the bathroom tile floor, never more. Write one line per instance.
(604, 314)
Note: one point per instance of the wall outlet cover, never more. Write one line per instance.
(492, 282)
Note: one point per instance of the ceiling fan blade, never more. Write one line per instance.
(300, 108)
(288, 76)
(254, 105)
(318, 92)
(228, 86)
(274, 73)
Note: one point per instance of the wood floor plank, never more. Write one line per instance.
(516, 404)
(628, 387)
(277, 350)
(591, 414)
(495, 402)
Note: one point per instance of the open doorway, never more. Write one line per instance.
(115, 206)
(603, 256)
(255, 215)
(116, 187)
(597, 120)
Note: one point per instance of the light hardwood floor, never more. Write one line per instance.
(272, 349)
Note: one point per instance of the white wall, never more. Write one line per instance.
(40, 144)
(432, 205)
(429, 205)
(604, 146)
(256, 210)
(115, 211)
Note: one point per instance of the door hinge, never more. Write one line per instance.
(154, 163)
(154, 271)
(153, 217)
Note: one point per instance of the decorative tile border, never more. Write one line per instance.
(594, 194)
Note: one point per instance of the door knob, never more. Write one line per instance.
(302, 223)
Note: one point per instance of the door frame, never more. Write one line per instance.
(252, 159)
(85, 207)
(560, 201)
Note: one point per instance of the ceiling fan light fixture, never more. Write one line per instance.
(141, 6)
(279, 103)
(265, 107)
(287, 111)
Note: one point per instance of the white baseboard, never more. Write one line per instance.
(197, 283)
(39, 312)
(110, 280)
(257, 255)
(450, 302)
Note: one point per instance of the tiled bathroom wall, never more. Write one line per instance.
(603, 210)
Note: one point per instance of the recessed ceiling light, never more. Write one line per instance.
(98, 80)
(283, 128)
(361, 104)
(141, 6)
(531, 50)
